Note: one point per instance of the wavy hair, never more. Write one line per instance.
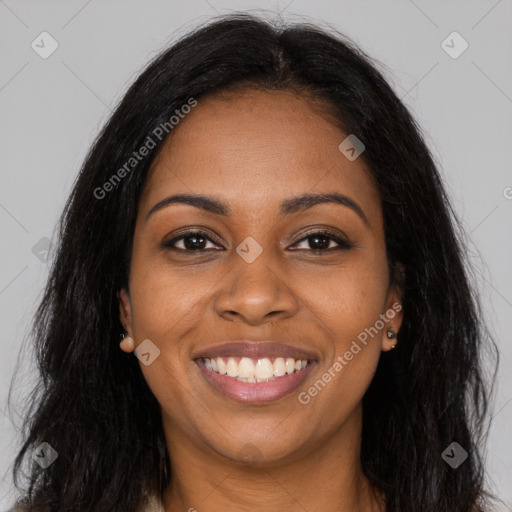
(92, 403)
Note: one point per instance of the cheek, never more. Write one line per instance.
(165, 300)
(348, 305)
(348, 302)
(347, 299)
(165, 309)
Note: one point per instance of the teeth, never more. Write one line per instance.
(264, 369)
(232, 368)
(280, 367)
(246, 369)
(221, 365)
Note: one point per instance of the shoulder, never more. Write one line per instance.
(153, 505)
(22, 508)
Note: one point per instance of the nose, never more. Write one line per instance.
(255, 293)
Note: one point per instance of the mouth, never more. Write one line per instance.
(245, 369)
(255, 373)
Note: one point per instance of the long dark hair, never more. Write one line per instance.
(93, 405)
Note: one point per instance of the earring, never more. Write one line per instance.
(391, 334)
(127, 344)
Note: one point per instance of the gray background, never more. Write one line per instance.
(52, 108)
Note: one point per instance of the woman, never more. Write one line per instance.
(262, 221)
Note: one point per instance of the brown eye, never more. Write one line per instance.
(321, 241)
(191, 241)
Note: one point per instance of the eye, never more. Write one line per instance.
(321, 241)
(192, 241)
(317, 242)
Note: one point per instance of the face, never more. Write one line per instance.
(259, 271)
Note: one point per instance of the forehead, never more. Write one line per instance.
(257, 146)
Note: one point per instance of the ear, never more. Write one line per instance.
(394, 314)
(125, 310)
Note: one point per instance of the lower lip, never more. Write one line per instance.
(255, 392)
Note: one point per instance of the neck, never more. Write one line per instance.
(326, 476)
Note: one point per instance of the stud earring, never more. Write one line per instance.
(391, 334)
(127, 344)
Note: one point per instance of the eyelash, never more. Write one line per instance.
(342, 243)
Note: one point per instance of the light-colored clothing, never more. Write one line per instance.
(154, 505)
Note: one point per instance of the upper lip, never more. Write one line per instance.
(256, 350)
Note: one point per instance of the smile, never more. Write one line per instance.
(245, 369)
(255, 390)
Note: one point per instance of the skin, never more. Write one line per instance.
(252, 152)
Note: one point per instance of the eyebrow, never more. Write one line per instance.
(288, 206)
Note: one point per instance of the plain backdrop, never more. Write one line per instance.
(52, 108)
